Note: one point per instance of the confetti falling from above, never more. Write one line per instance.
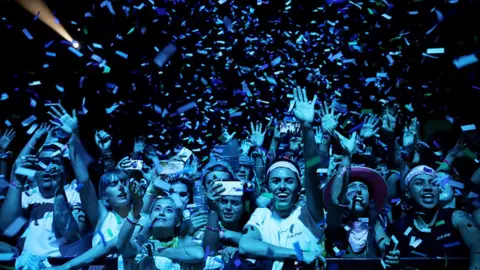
(178, 70)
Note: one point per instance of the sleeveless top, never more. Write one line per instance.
(442, 241)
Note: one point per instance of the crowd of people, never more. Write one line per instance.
(312, 194)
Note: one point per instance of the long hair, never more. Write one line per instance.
(372, 221)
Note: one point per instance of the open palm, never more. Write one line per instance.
(67, 123)
(304, 110)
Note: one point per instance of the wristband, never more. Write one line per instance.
(325, 139)
(212, 229)
(447, 162)
(131, 219)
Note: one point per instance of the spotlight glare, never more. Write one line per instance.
(75, 44)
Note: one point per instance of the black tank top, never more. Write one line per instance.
(443, 240)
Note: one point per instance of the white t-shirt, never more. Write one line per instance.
(284, 232)
(39, 236)
(110, 228)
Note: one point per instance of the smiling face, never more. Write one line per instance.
(283, 184)
(423, 192)
(358, 194)
(164, 214)
(231, 209)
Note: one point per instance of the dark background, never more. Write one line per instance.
(141, 86)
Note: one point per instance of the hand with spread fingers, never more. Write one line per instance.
(7, 138)
(318, 135)
(61, 119)
(370, 127)
(329, 119)
(304, 109)
(277, 132)
(410, 133)
(227, 137)
(348, 145)
(245, 147)
(42, 130)
(256, 135)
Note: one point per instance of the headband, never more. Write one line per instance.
(422, 169)
(284, 164)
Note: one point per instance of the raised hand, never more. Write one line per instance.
(69, 124)
(137, 191)
(410, 133)
(42, 130)
(370, 127)
(277, 132)
(348, 145)
(124, 163)
(304, 110)
(318, 135)
(213, 195)
(139, 145)
(245, 147)
(7, 138)
(389, 119)
(257, 136)
(329, 119)
(103, 141)
(197, 221)
(227, 137)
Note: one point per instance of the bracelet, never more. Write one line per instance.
(447, 162)
(5, 155)
(131, 219)
(212, 229)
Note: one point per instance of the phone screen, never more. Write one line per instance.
(232, 188)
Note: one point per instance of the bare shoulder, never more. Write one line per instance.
(464, 220)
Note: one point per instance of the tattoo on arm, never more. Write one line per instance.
(62, 216)
(465, 221)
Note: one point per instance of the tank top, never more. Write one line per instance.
(442, 241)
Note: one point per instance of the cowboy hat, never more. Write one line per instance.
(375, 182)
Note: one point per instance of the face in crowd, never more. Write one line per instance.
(244, 173)
(284, 186)
(114, 185)
(231, 209)
(295, 144)
(219, 173)
(47, 179)
(358, 197)
(180, 193)
(423, 191)
(164, 214)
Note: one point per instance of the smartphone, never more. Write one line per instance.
(171, 167)
(232, 188)
(136, 165)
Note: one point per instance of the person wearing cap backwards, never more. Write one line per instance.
(353, 198)
(284, 235)
(432, 231)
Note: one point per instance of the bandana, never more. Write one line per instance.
(284, 164)
(419, 170)
(357, 236)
